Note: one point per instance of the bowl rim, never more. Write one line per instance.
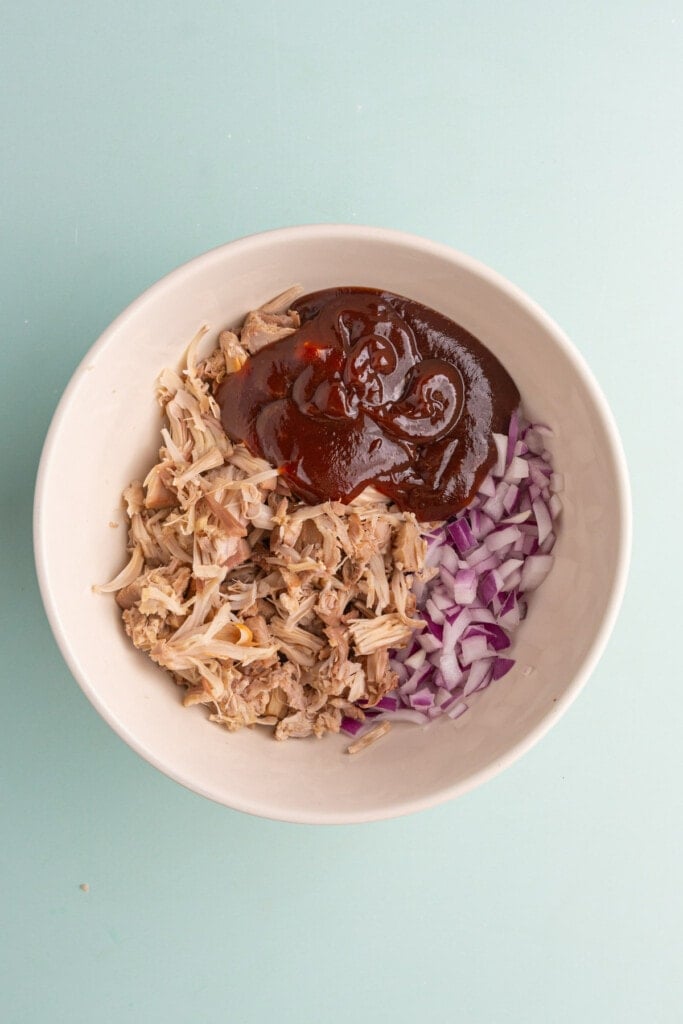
(331, 232)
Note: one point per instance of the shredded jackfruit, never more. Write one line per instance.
(264, 609)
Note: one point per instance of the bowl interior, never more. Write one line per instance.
(106, 432)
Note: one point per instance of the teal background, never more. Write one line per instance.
(543, 138)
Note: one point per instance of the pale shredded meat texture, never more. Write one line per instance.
(266, 610)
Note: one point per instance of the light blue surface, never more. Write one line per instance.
(543, 138)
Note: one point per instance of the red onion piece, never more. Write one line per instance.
(461, 535)
(480, 672)
(387, 703)
(351, 726)
(429, 643)
(422, 699)
(501, 667)
(501, 443)
(513, 433)
(535, 570)
(458, 708)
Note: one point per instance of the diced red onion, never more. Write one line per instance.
(513, 580)
(421, 699)
(449, 559)
(435, 615)
(388, 703)
(478, 614)
(547, 546)
(441, 601)
(538, 477)
(518, 519)
(510, 499)
(501, 443)
(457, 709)
(435, 628)
(403, 714)
(417, 659)
(529, 545)
(419, 588)
(513, 433)
(555, 506)
(399, 656)
(501, 667)
(492, 562)
(473, 649)
(481, 523)
(465, 586)
(479, 672)
(490, 586)
(488, 487)
(429, 643)
(509, 617)
(510, 565)
(461, 535)
(351, 726)
(451, 672)
(442, 696)
(535, 570)
(401, 671)
(497, 638)
(500, 538)
(418, 676)
(493, 506)
(452, 631)
(543, 519)
(496, 549)
(517, 471)
(480, 554)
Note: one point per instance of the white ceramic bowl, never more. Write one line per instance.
(106, 432)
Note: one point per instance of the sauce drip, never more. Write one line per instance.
(373, 389)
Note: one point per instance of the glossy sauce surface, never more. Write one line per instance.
(373, 389)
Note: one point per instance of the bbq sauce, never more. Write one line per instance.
(373, 389)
